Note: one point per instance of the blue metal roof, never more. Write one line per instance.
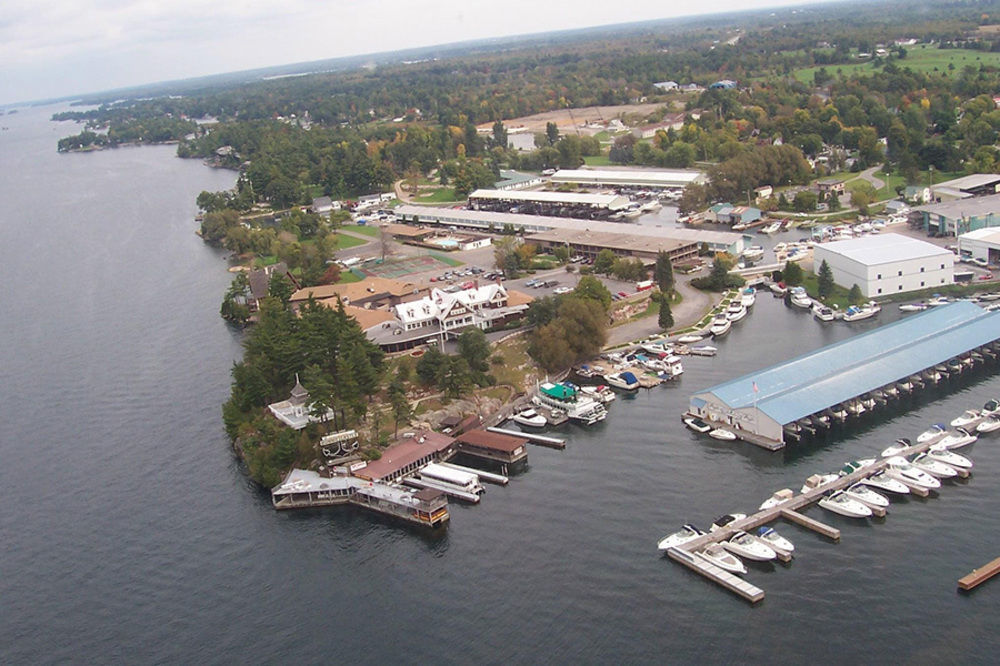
(813, 382)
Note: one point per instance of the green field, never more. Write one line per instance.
(344, 241)
(361, 229)
(597, 160)
(926, 59)
(442, 195)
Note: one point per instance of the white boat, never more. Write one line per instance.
(748, 297)
(883, 481)
(867, 496)
(778, 288)
(818, 481)
(956, 439)
(855, 465)
(720, 326)
(690, 339)
(658, 348)
(775, 540)
(771, 228)
(991, 407)
(901, 470)
(840, 502)
(950, 458)
(968, 418)
(530, 418)
(937, 300)
(753, 253)
(934, 467)
(736, 311)
(855, 313)
(744, 545)
(687, 533)
(800, 298)
(697, 425)
(567, 399)
(720, 557)
(723, 434)
(725, 520)
(897, 447)
(672, 367)
(913, 307)
(704, 350)
(989, 424)
(822, 312)
(602, 393)
(622, 380)
(777, 498)
(934, 433)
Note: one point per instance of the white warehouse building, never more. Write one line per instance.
(886, 264)
(981, 244)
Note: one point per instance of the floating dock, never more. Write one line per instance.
(980, 575)
(543, 440)
(488, 477)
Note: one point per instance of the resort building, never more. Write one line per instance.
(640, 178)
(515, 180)
(954, 218)
(408, 455)
(370, 293)
(981, 244)
(886, 264)
(762, 403)
(295, 412)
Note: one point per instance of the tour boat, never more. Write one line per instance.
(822, 312)
(867, 496)
(577, 407)
(690, 339)
(883, 481)
(744, 545)
(896, 448)
(720, 557)
(530, 418)
(704, 350)
(950, 458)
(720, 326)
(748, 297)
(697, 425)
(800, 298)
(817, 481)
(736, 311)
(989, 424)
(956, 439)
(622, 380)
(970, 417)
(933, 467)
(723, 434)
(913, 307)
(935, 432)
(726, 519)
(777, 498)
(899, 468)
(855, 313)
(842, 503)
(775, 540)
(687, 533)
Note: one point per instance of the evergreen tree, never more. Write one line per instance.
(855, 297)
(665, 320)
(825, 280)
(401, 409)
(792, 274)
(475, 349)
(663, 273)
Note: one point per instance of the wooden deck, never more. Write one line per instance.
(980, 575)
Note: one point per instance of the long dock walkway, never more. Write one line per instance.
(552, 442)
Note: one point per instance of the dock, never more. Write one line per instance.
(980, 575)
(542, 440)
(451, 491)
(731, 582)
(488, 477)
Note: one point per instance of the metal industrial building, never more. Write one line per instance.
(981, 244)
(654, 180)
(763, 402)
(611, 202)
(953, 218)
(886, 264)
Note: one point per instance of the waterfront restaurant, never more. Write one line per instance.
(408, 455)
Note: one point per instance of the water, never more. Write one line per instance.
(130, 532)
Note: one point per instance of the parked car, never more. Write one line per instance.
(562, 290)
(622, 294)
(979, 261)
(531, 283)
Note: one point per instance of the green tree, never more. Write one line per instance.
(551, 133)
(665, 319)
(455, 376)
(663, 272)
(855, 297)
(475, 349)
(561, 253)
(429, 365)
(805, 201)
(401, 409)
(825, 280)
(280, 287)
(578, 332)
(792, 275)
(592, 288)
(604, 262)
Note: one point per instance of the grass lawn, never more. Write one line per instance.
(441, 195)
(445, 259)
(597, 160)
(344, 241)
(361, 229)
(920, 58)
(348, 276)
(838, 298)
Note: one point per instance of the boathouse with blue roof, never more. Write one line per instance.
(761, 403)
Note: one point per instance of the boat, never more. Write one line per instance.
(883, 481)
(822, 312)
(748, 297)
(989, 424)
(950, 458)
(897, 447)
(937, 300)
(720, 326)
(725, 520)
(626, 380)
(690, 339)
(736, 311)
(753, 253)
(867, 496)
(913, 307)
(722, 558)
(842, 503)
(818, 481)
(991, 407)
(772, 228)
(658, 348)
(778, 288)
(956, 439)
(775, 540)
(672, 367)
(567, 399)
(800, 298)
(697, 425)
(777, 498)
(900, 469)
(601, 393)
(855, 313)
(704, 350)
(934, 433)
(723, 434)
(855, 465)
(970, 417)
(744, 545)
(687, 533)
(933, 467)
(530, 418)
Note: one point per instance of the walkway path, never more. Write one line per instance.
(694, 306)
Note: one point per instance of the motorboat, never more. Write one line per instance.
(687, 533)
(778, 288)
(736, 311)
(672, 367)
(722, 558)
(937, 300)
(897, 447)
(842, 503)
(867, 496)
(753, 253)
(530, 418)
(991, 407)
(800, 298)
(855, 313)
(932, 434)
(748, 297)
(600, 392)
(704, 350)
(989, 424)
(968, 418)
(818, 481)
(933, 467)
(622, 380)
(957, 438)
(722, 434)
(912, 307)
(950, 458)
(822, 312)
(777, 498)
(697, 425)
(744, 545)
(690, 339)
(775, 540)
(725, 520)
(855, 465)
(883, 481)
(720, 326)
(900, 469)
(772, 228)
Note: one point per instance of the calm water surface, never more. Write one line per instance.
(131, 534)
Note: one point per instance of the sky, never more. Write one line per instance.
(57, 48)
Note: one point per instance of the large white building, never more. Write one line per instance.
(981, 244)
(886, 264)
(645, 178)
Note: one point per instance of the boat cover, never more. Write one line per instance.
(629, 377)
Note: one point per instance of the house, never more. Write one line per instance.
(324, 206)
(666, 86)
(673, 121)
(259, 280)
(724, 84)
(897, 207)
(296, 411)
(762, 193)
(743, 215)
(371, 293)
(832, 185)
(719, 212)
(917, 194)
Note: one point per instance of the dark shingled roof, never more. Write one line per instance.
(492, 440)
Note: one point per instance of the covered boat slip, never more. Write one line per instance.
(758, 405)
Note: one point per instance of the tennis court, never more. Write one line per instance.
(396, 268)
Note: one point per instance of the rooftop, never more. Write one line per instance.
(405, 452)
(674, 178)
(611, 201)
(813, 382)
(971, 182)
(884, 249)
(620, 241)
(974, 207)
(989, 234)
(357, 291)
(492, 440)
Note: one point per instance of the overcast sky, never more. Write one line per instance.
(55, 48)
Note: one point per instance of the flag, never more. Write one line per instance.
(755, 389)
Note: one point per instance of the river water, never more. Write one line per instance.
(131, 533)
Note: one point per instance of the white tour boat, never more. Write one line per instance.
(720, 557)
(530, 418)
(687, 533)
(775, 540)
(840, 502)
(867, 496)
(883, 481)
(567, 399)
(899, 468)
(934, 467)
(744, 545)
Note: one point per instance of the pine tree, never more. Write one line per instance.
(663, 273)
(825, 280)
(665, 320)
